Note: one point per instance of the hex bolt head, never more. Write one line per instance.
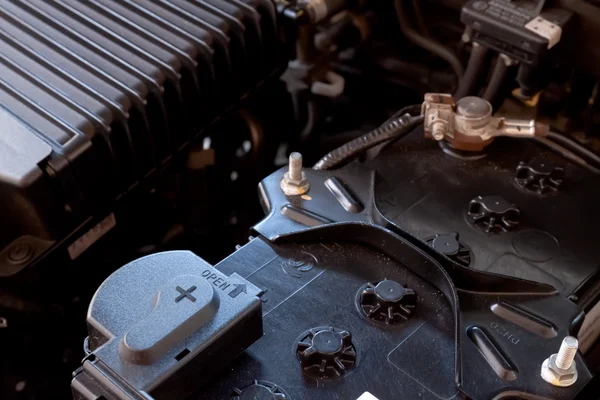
(560, 369)
(294, 181)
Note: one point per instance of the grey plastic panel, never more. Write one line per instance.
(21, 152)
(195, 303)
(154, 315)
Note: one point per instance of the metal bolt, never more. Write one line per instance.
(560, 369)
(295, 168)
(294, 181)
(567, 352)
(438, 130)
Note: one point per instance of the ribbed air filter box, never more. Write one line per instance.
(95, 95)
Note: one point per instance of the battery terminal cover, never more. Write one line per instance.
(163, 318)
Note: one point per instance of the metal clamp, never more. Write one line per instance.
(438, 109)
(469, 125)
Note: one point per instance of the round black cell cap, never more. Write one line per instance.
(450, 245)
(326, 352)
(386, 302)
(493, 214)
(389, 290)
(327, 342)
(446, 244)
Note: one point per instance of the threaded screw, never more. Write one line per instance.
(567, 352)
(294, 181)
(295, 167)
(438, 130)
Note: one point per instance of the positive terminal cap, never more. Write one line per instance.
(180, 308)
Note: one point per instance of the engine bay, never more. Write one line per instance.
(299, 199)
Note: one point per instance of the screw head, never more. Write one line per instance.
(556, 376)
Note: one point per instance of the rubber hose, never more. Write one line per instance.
(492, 91)
(574, 146)
(393, 129)
(567, 154)
(419, 18)
(428, 44)
(474, 73)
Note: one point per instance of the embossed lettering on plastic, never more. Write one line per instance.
(502, 331)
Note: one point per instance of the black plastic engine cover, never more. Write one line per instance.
(95, 96)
